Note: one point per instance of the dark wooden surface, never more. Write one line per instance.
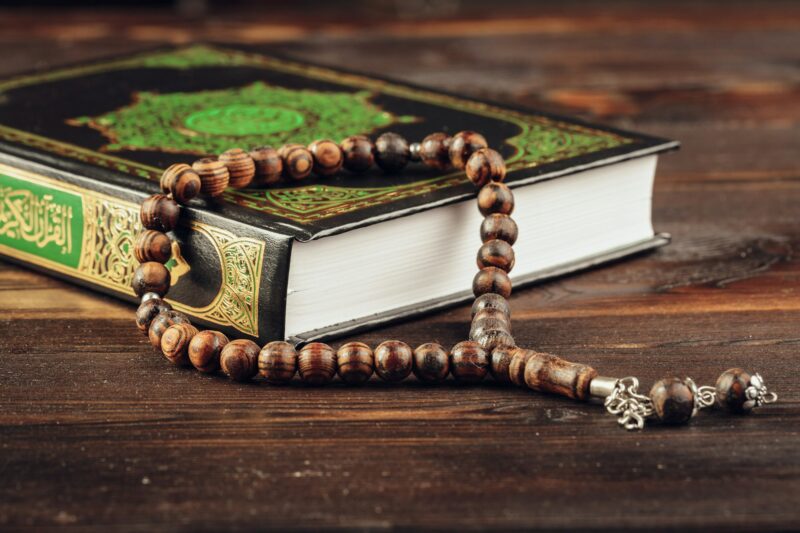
(96, 430)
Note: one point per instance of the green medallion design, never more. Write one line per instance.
(207, 122)
(212, 121)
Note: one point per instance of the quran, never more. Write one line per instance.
(81, 146)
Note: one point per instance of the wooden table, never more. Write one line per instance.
(96, 431)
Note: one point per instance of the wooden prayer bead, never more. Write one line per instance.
(495, 197)
(393, 360)
(148, 310)
(205, 349)
(391, 152)
(491, 279)
(490, 301)
(317, 363)
(160, 324)
(496, 253)
(431, 362)
(731, 386)
(433, 150)
(484, 166)
(358, 155)
(277, 362)
(159, 212)
(181, 181)
(500, 363)
(673, 400)
(328, 157)
(489, 320)
(268, 165)
(469, 362)
(214, 176)
(239, 359)
(462, 145)
(241, 167)
(297, 161)
(516, 367)
(152, 245)
(499, 226)
(151, 277)
(545, 372)
(355, 362)
(175, 343)
(493, 338)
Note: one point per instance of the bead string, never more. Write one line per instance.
(491, 348)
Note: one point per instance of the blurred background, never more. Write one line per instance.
(714, 75)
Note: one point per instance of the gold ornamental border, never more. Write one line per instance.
(104, 263)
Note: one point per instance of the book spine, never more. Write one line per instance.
(226, 275)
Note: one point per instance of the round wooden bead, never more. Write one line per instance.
(673, 401)
(393, 360)
(433, 150)
(469, 362)
(181, 181)
(495, 197)
(316, 363)
(496, 253)
(239, 359)
(328, 157)
(431, 362)
(484, 166)
(277, 362)
(500, 363)
(152, 245)
(214, 176)
(175, 343)
(297, 161)
(159, 212)
(491, 339)
(499, 226)
(391, 152)
(268, 164)
(490, 301)
(731, 386)
(358, 153)
(462, 145)
(151, 277)
(355, 362)
(205, 349)
(160, 324)
(491, 279)
(241, 167)
(148, 310)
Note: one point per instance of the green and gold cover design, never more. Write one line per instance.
(81, 145)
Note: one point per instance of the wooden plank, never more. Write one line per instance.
(96, 430)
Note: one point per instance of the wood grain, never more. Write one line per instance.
(98, 430)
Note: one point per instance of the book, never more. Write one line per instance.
(81, 147)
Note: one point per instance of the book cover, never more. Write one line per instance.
(81, 146)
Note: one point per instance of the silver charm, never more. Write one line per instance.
(704, 397)
(757, 393)
(630, 407)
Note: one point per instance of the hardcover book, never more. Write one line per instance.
(82, 146)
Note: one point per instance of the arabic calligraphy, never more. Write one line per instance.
(35, 219)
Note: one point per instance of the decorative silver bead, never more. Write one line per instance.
(414, 149)
(150, 296)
